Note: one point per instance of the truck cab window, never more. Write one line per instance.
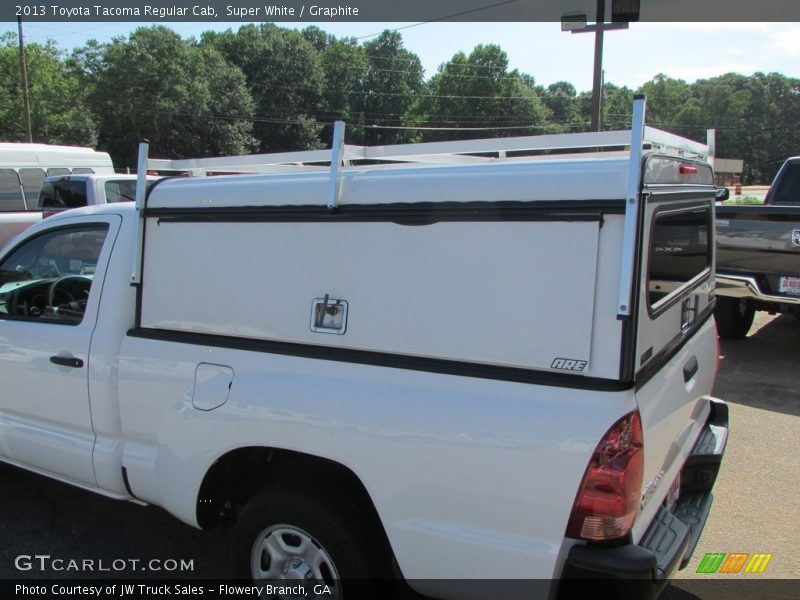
(788, 192)
(50, 277)
(63, 193)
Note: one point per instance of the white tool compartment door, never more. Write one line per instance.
(511, 293)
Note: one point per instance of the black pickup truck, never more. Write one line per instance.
(758, 255)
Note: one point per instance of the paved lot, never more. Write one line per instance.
(757, 496)
(756, 509)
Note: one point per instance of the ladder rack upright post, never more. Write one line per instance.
(141, 195)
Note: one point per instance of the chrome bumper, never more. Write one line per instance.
(740, 286)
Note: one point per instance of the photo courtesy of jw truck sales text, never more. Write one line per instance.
(487, 359)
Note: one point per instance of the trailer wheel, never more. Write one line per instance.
(734, 317)
(294, 537)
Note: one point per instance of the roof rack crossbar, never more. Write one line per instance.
(454, 152)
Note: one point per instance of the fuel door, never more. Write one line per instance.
(212, 386)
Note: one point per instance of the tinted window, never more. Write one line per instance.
(63, 193)
(82, 171)
(679, 250)
(788, 189)
(10, 191)
(53, 171)
(32, 179)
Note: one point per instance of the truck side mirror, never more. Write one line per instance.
(723, 194)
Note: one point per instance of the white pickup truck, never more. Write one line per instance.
(465, 367)
(63, 192)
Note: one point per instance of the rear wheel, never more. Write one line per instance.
(292, 537)
(734, 317)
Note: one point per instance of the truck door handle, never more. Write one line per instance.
(690, 368)
(75, 363)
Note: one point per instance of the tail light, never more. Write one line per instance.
(608, 498)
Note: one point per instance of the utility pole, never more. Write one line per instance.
(24, 73)
(597, 77)
(622, 11)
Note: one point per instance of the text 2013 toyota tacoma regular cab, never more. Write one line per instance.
(482, 369)
(758, 255)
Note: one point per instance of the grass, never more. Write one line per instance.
(743, 200)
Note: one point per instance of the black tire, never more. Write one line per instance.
(348, 555)
(734, 317)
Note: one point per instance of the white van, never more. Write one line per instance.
(23, 168)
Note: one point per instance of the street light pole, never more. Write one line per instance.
(24, 72)
(597, 79)
(622, 11)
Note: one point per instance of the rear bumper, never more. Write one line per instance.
(642, 570)
(741, 286)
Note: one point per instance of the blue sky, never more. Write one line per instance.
(688, 51)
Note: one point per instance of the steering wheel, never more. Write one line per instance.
(67, 304)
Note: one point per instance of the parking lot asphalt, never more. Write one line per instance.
(756, 506)
(757, 495)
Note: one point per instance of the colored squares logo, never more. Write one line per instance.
(733, 563)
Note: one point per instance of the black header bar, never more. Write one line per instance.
(240, 11)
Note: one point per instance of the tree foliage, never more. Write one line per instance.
(392, 82)
(285, 79)
(183, 97)
(274, 89)
(59, 113)
(478, 93)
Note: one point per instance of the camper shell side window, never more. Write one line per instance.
(680, 252)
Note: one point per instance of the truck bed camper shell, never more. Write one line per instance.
(487, 254)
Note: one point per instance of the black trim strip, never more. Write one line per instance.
(416, 213)
(384, 359)
(668, 352)
(128, 484)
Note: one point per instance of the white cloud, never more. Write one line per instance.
(788, 41)
(710, 27)
(690, 73)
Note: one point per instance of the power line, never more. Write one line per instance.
(444, 18)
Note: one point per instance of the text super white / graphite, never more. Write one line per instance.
(273, 10)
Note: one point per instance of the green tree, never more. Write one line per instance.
(617, 107)
(665, 97)
(344, 64)
(59, 112)
(562, 100)
(478, 92)
(183, 97)
(285, 79)
(390, 87)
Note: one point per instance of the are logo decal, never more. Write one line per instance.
(568, 364)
